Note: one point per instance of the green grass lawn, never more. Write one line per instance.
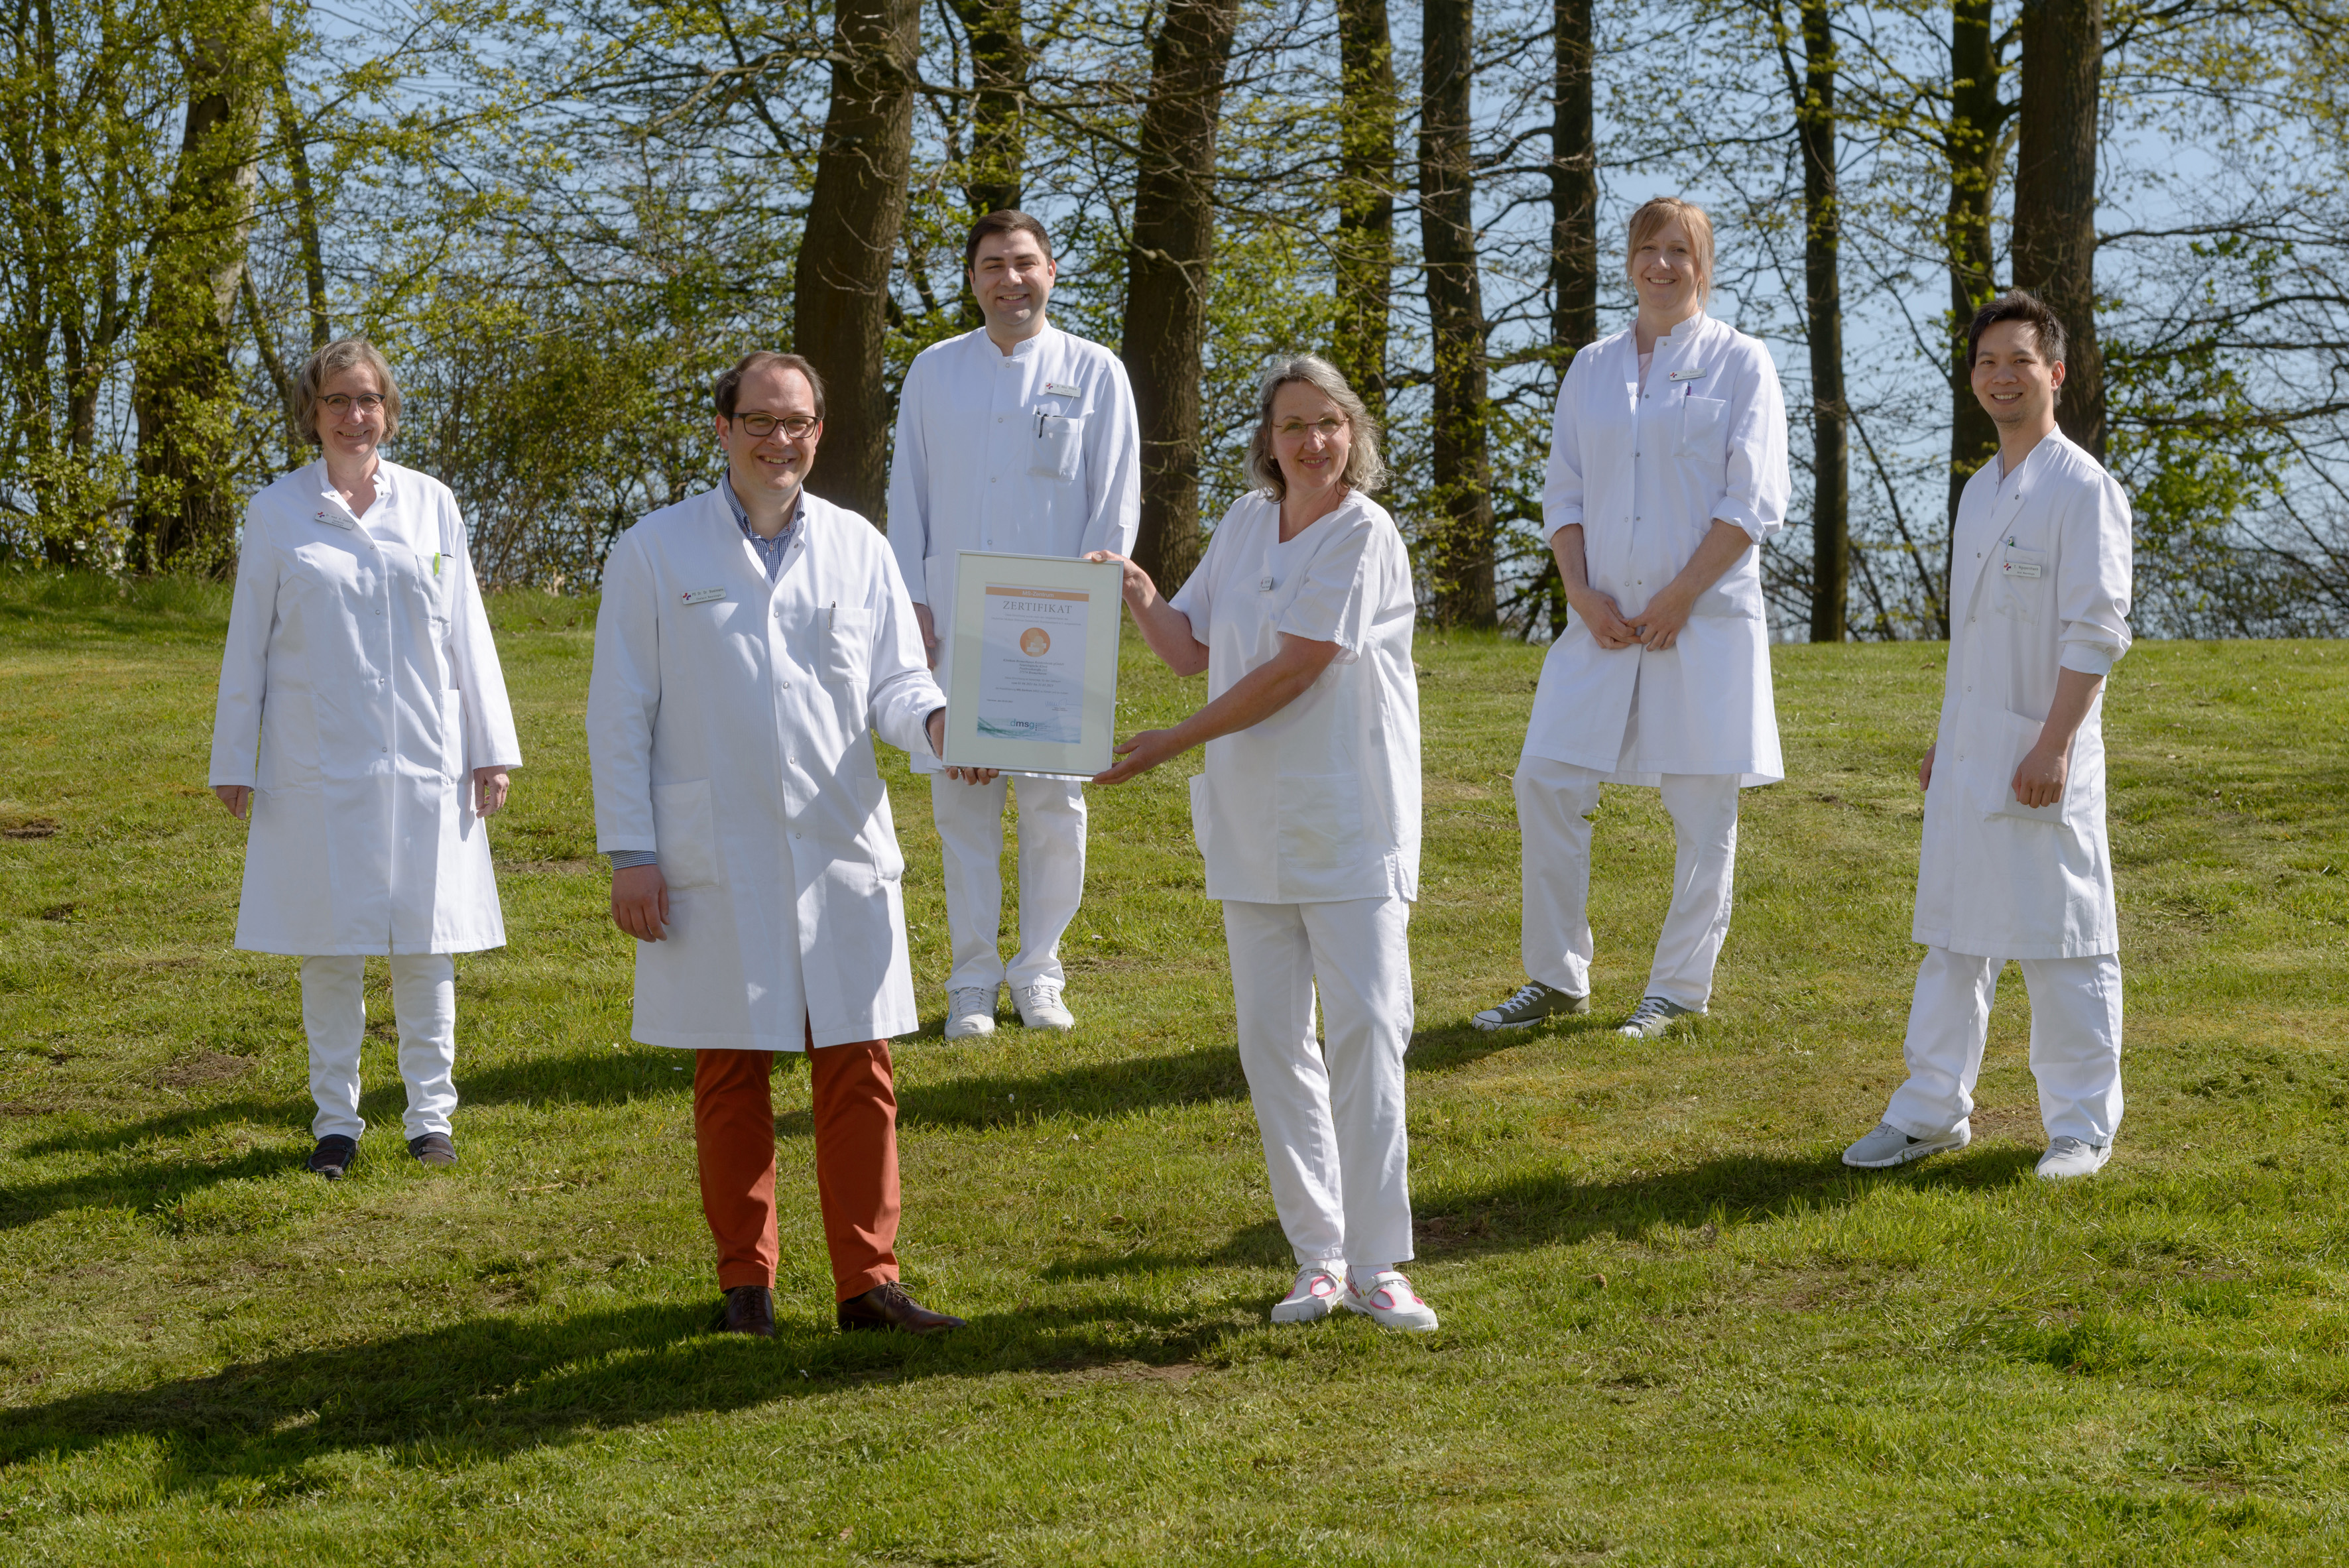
(1675, 1329)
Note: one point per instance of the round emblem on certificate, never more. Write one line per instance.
(1034, 641)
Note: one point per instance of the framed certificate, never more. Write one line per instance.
(1032, 672)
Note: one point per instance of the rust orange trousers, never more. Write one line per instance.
(855, 1115)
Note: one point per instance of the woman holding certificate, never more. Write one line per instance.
(1307, 815)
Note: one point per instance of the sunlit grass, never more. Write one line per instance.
(1675, 1329)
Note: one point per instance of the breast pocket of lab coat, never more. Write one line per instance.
(1058, 444)
(846, 652)
(684, 834)
(2025, 575)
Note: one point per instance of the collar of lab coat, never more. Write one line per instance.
(1685, 344)
(386, 492)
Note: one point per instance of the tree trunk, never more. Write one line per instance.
(183, 389)
(305, 212)
(2056, 194)
(1461, 563)
(998, 71)
(840, 283)
(1977, 119)
(1367, 110)
(1815, 123)
(1169, 266)
(1573, 190)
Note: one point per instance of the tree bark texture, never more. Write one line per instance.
(1461, 560)
(1170, 263)
(1573, 190)
(183, 389)
(1978, 120)
(2055, 193)
(1367, 110)
(1814, 125)
(841, 280)
(998, 71)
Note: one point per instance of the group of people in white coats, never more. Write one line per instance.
(754, 640)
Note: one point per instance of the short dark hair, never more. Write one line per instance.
(730, 383)
(1004, 222)
(2023, 305)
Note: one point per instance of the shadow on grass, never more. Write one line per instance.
(1550, 1210)
(1449, 1046)
(489, 1387)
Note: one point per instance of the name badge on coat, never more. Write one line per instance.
(703, 595)
(2018, 560)
(331, 520)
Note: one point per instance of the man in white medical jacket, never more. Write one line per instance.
(1017, 439)
(2015, 863)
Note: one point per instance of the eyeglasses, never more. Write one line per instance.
(1327, 427)
(341, 403)
(794, 426)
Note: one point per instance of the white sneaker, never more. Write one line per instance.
(970, 1011)
(1888, 1146)
(1039, 1008)
(2069, 1157)
(1313, 1298)
(1389, 1300)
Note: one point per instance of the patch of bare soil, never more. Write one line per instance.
(203, 1069)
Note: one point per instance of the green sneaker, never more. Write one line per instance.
(1532, 1004)
(1652, 1017)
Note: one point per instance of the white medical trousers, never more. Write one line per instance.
(334, 1012)
(2076, 1043)
(1332, 1114)
(1555, 800)
(970, 818)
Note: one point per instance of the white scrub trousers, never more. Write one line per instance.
(1555, 800)
(2076, 1043)
(1332, 1114)
(969, 819)
(334, 1012)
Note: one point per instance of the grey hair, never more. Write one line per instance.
(348, 354)
(1365, 470)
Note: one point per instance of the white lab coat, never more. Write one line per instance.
(1996, 879)
(359, 690)
(730, 725)
(1320, 801)
(1034, 452)
(1645, 473)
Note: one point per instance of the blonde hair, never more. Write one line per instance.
(1365, 470)
(348, 354)
(1648, 221)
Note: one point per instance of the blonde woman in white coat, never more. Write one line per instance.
(2015, 864)
(1307, 814)
(1667, 470)
(362, 725)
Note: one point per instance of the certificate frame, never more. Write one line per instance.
(1099, 588)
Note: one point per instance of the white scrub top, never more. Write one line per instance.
(1320, 801)
(1645, 470)
(2040, 572)
(358, 691)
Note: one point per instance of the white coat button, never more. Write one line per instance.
(795, 835)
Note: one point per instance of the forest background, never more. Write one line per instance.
(561, 219)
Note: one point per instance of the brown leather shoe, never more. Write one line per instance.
(749, 1309)
(888, 1307)
(333, 1156)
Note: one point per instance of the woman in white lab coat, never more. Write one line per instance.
(1667, 470)
(1307, 815)
(363, 723)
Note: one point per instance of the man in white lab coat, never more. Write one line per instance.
(752, 641)
(1017, 439)
(2015, 864)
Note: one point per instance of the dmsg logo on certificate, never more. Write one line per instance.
(1031, 676)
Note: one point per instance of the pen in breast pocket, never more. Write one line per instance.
(436, 563)
(832, 616)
